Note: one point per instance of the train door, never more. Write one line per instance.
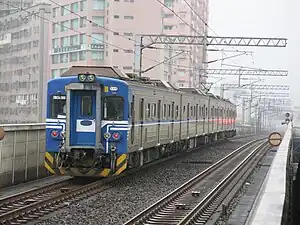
(188, 120)
(173, 117)
(159, 119)
(82, 118)
(132, 112)
(142, 113)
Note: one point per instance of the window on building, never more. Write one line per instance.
(128, 51)
(55, 28)
(64, 41)
(116, 50)
(97, 55)
(82, 38)
(83, 5)
(83, 21)
(97, 38)
(99, 4)
(65, 10)
(128, 0)
(55, 43)
(82, 55)
(128, 17)
(55, 12)
(65, 25)
(116, 16)
(168, 27)
(127, 67)
(128, 34)
(73, 56)
(74, 40)
(64, 58)
(74, 24)
(169, 15)
(54, 73)
(62, 70)
(98, 21)
(75, 7)
(55, 59)
(169, 3)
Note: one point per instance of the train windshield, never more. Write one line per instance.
(113, 108)
(58, 106)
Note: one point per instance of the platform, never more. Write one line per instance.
(272, 202)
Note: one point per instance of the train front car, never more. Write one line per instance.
(93, 140)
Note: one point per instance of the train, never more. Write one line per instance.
(101, 122)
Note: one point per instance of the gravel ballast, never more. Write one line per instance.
(119, 204)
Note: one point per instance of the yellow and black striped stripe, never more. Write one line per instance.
(50, 164)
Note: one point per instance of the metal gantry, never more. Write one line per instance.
(242, 72)
(265, 95)
(209, 40)
(256, 86)
(199, 40)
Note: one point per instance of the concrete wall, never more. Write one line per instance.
(22, 153)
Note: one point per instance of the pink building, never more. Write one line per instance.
(125, 19)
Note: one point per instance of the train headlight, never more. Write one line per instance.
(82, 77)
(91, 78)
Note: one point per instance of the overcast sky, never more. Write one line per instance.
(260, 18)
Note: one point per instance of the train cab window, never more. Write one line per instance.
(113, 108)
(86, 105)
(58, 106)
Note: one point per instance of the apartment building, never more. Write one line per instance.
(23, 62)
(87, 42)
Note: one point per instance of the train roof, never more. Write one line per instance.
(111, 72)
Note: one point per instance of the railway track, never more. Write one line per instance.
(188, 205)
(33, 204)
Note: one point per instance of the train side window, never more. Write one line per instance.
(172, 110)
(197, 111)
(183, 113)
(148, 111)
(169, 111)
(159, 109)
(114, 108)
(58, 106)
(141, 109)
(164, 111)
(206, 112)
(191, 113)
(154, 110)
(177, 111)
(86, 106)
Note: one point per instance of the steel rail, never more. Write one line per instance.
(199, 212)
(172, 197)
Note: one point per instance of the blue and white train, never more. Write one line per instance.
(101, 121)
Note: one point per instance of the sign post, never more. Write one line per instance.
(275, 139)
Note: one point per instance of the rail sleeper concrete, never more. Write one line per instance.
(22, 154)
